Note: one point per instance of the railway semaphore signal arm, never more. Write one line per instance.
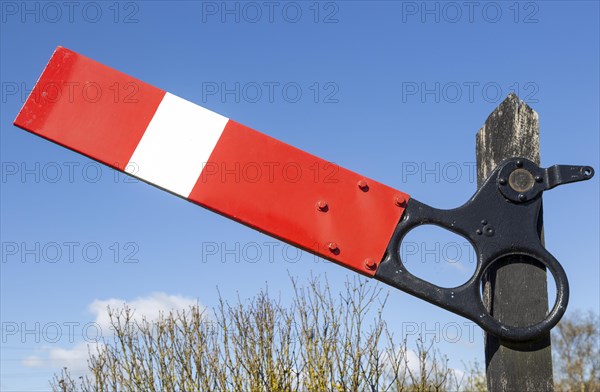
(306, 201)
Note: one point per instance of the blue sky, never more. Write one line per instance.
(393, 90)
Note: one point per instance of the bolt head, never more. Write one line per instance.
(363, 185)
(371, 264)
(538, 179)
(522, 197)
(322, 205)
(400, 201)
(519, 163)
(333, 246)
(502, 181)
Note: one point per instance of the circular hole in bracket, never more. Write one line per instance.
(524, 290)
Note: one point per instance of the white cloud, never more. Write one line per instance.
(75, 358)
(32, 361)
(412, 361)
(456, 264)
(459, 374)
(409, 360)
(149, 307)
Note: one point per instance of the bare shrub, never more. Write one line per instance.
(321, 342)
(576, 353)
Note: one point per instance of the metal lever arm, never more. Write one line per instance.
(499, 220)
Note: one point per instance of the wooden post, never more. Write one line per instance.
(515, 289)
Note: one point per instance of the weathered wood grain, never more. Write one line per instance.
(515, 289)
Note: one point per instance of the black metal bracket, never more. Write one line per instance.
(499, 220)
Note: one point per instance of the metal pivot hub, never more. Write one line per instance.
(499, 220)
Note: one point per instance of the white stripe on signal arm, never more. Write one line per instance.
(176, 145)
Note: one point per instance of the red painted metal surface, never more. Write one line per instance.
(304, 200)
(250, 177)
(90, 108)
